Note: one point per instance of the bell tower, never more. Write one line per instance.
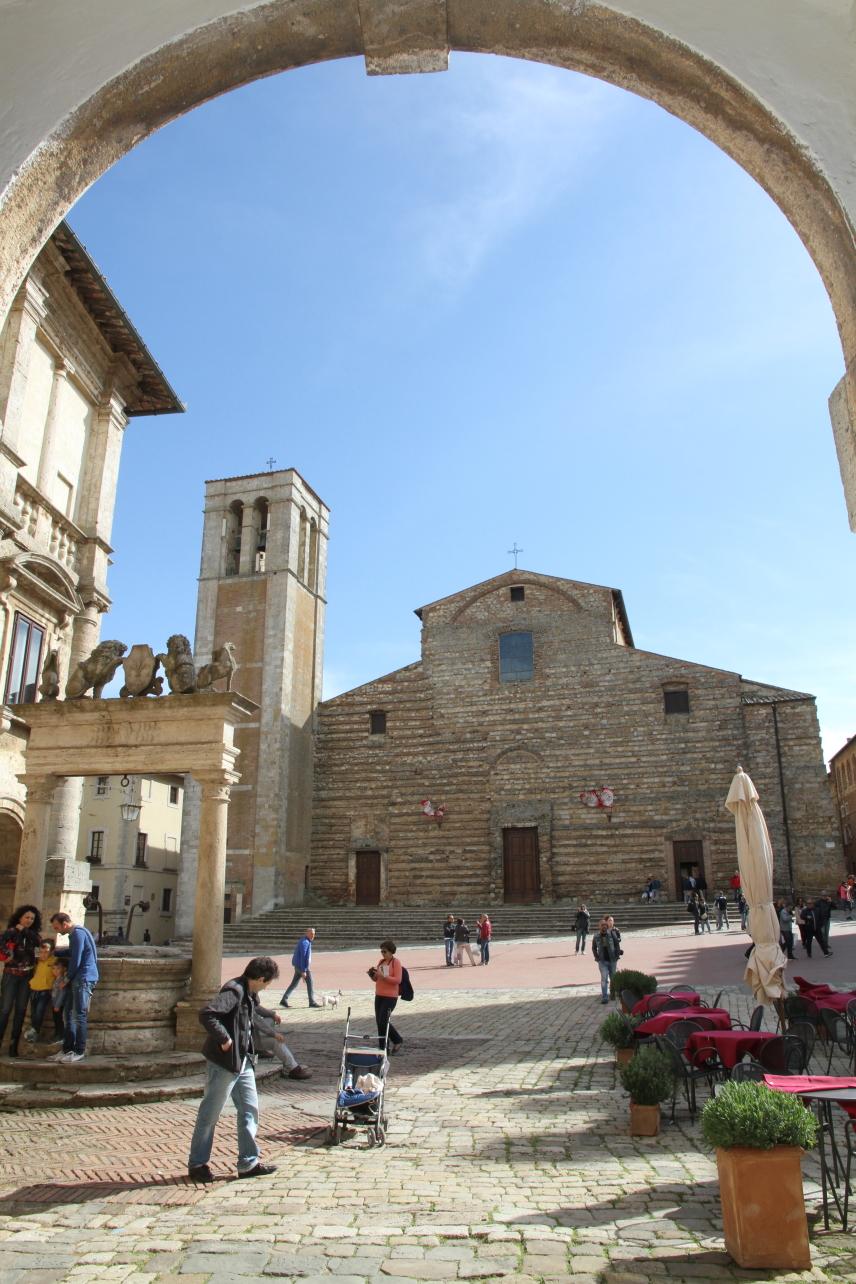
(262, 588)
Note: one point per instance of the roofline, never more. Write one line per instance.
(213, 481)
(385, 677)
(846, 745)
(154, 393)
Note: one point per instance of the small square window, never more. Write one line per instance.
(102, 786)
(518, 593)
(676, 701)
(377, 723)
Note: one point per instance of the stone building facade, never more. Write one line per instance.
(842, 768)
(529, 694)
(261, 587)
(130, 835)
(73, 371)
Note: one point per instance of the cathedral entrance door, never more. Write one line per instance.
(689, 859)
(520, 866)
(368, 878)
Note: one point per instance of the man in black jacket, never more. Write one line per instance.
(228, 1049)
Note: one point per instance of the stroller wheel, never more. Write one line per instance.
(381, 1136)
(333, 1135)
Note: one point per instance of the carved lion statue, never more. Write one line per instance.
(95, 671)
(223, 665)
(178, 665)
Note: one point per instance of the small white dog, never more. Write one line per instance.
(331, 1000)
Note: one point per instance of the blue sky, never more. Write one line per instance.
(506, 303)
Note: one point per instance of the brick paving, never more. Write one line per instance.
(508, 1158)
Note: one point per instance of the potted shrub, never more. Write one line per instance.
(759, 1136)
(639, 983)
(649, 1080)
(618, 1032)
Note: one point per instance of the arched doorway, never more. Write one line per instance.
(10, 849)
(147, 76)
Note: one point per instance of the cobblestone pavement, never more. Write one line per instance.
(508, 1158)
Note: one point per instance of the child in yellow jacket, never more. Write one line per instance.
(41, 983)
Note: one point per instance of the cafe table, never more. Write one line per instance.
(660, 1023)
(824, 1091)
(731, 1046)
(660, 1002)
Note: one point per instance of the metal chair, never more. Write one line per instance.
(782, 1055)
(666, 1003)
(799, 1009)
(706, 1023)
(807, 1035)
(838, 1034)
(685, 1076)
(747, 1069)
(715, 1003)
(679, 1031)
(629, 999)
(755, 1021)
(683, 989)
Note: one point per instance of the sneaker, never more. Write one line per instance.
(200, 1173)
(260, 1170)
(73, 1056)
(58, 1056)
(300, 1072)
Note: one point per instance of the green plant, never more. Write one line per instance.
(751, 1114)
(648, 1077)
(618, 1030)
(640, 983)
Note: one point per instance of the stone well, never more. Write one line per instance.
(133, 1005)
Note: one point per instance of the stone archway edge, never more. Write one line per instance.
(770, 83)
(174, 734)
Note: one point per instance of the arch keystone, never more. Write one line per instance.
(403, 37)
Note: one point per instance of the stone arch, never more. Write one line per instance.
(187, 67)
(11, 829)
(519, 577)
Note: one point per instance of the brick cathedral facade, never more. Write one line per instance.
(528, 694)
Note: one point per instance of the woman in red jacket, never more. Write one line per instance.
(386, 975)
(485, 932)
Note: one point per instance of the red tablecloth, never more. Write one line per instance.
(806, 1082)
(807, 988)
(732, 1045)
(660, 1023)
(661, 1002)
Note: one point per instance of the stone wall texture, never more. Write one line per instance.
(500, 754)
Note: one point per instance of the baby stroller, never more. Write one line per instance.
(361, 1054)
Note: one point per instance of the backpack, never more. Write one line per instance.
(405, 989)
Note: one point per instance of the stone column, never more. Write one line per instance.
(47, 461)
(19, 341)
(249, 539)
(208, 906)
(30, 884)
(210, 885)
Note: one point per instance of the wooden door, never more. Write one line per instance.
(368, 878)
(688, 856)
(520, 866)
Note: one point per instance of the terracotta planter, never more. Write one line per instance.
(623, 1055)
(644, 1120)
(763, 1209)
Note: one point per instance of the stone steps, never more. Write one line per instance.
(358, 926)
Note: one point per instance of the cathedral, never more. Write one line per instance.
(534, 754)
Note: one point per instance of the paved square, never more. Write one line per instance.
(508, 1158)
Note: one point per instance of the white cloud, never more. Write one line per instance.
(523, 136)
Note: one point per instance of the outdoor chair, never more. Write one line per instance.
(799, 1009)
(807, 1035)
(747, 1069)
(629, 999)
(679, 1031)
(838, 1034)
(755, 1021)
(715, 1003)
(705, 1023)
(782, 1055)
(685, 1075)
(683, 989)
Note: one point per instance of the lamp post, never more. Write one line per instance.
(130, 809)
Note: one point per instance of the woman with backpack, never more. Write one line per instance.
(387, 975)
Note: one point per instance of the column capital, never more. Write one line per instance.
(216, 786)
(40, 789)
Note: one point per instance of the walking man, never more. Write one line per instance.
(721, 903)
(301, 961)
(581, 927)
(823, 921)
(449, 939)
(228, 1049)
(82, 977)
(606, 948)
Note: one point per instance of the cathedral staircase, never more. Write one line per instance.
(348, 927)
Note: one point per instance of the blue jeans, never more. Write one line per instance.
(607, 970)
(221, 1085)
(581, 942)
(14, 996)
(78, 994)
(295, 981)
(449, 942)
(40, 1001)
(484, 950)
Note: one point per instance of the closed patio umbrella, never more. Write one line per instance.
(765, 971)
